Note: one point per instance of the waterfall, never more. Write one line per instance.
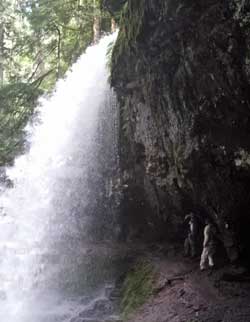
(48, 262)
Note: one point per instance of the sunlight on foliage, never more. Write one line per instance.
(39, 42)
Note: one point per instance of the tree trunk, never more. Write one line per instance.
(1, 54)
(97, 23)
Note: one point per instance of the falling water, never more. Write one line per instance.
(48, 263)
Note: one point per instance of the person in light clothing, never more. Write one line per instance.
(209, 246)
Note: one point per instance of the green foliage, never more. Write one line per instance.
(17, 103)
(130, 26)
(39, 41)
(60, 30)
(137, 287)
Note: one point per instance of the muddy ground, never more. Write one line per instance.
(182, 293)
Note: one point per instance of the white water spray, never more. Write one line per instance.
(43, 220)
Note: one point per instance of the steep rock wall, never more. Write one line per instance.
(181, 70)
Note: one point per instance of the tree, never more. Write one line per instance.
(1, 53)
(97, 21)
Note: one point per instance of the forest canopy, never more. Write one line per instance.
(39, 41)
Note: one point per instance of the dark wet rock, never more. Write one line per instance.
(100, 307)
(181, 71)
(85, 300)
(101, 319)
(239, 313)
(113, 6)
(79, 319)
(109, 319)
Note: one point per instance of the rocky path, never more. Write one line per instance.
(184, 294)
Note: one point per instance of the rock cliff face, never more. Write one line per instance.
(181, 70)
(113, 6)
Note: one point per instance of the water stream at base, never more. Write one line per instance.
(51, 267)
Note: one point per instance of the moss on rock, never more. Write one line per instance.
(132, 18)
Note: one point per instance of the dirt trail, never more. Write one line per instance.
(184, 294)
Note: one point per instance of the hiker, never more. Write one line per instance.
(209, 245)
(230, 242)
(191, 241)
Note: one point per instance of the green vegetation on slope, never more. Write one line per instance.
(137, 287)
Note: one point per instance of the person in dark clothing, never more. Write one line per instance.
(191, 241)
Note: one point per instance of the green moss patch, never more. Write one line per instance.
(130, 26)
(137, 287)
